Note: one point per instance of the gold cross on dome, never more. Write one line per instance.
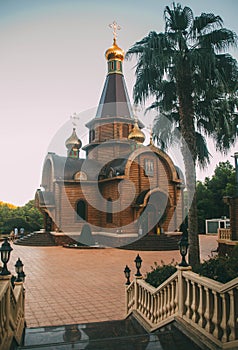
(115, 27)
(73, 118)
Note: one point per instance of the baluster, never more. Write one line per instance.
(141, 299)
(194, 302)
(147, 313)
(200, 309)
(215, 315)
(158, 306)
(172, 298)
(155, 303)
(176, 296)
(169, 300)
(231, 320)
(161, 305)
(223, 323)
(152, 307)
(144, 301)
(207, 313)
(164, 310)
(138, 297)
(188, 311)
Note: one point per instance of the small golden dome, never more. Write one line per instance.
(73, 141)
(114, 52)
(136, 134)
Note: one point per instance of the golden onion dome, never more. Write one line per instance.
(114, 52)
(136, 134)
(73, 141)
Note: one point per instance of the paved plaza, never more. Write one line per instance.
(69, 286)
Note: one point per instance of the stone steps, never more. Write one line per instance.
(154, 242)
(36, 239)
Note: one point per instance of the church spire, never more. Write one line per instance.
(114, 100)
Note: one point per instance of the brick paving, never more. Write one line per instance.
(69, 286)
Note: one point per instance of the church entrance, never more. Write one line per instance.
(154, 213)
(151, 223)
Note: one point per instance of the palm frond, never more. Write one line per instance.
(220, 39)
(165, 130)
(178, 18)
(206, 22)
(203, 154)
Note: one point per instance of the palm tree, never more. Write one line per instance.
(194, 82)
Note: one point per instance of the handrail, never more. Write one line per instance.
(206, 305)
(155, 290)
(154, 305)
(12, 312)
(208, 282)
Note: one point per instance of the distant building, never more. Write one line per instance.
(121, 186)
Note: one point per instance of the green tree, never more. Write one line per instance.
(194, 82)
(210, 194)
(26, 216)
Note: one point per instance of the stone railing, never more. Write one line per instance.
(155, 305)
(202, 305)
(12, 312)
(224, 233)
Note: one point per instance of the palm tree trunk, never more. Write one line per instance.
(186, 112)
(194, 251)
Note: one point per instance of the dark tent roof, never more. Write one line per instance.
(114, 100)
(65, 168)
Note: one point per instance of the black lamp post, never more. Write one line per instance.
(138, 262)
(236, 168)
(183, 248)
(127, 273)
(19, 270)
(5, 250)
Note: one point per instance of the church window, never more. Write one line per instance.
(91, 135)
(111, 173)
(118, 65)
(80, 175)
(81, 210)
(109, 211)
(149, 167)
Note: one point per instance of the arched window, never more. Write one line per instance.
(109, 211)
(81, 210)
(91, 135)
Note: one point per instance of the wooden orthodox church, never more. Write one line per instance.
(122, 186)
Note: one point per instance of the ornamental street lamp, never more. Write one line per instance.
(19, 270)
(138, 262)
(5, 250)
(236, 168)
(127, 273)
(183, 248)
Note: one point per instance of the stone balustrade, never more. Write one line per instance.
(12, 312)
(199, 303)
(224, 234)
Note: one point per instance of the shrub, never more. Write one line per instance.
(159, 274)
(220, 268)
